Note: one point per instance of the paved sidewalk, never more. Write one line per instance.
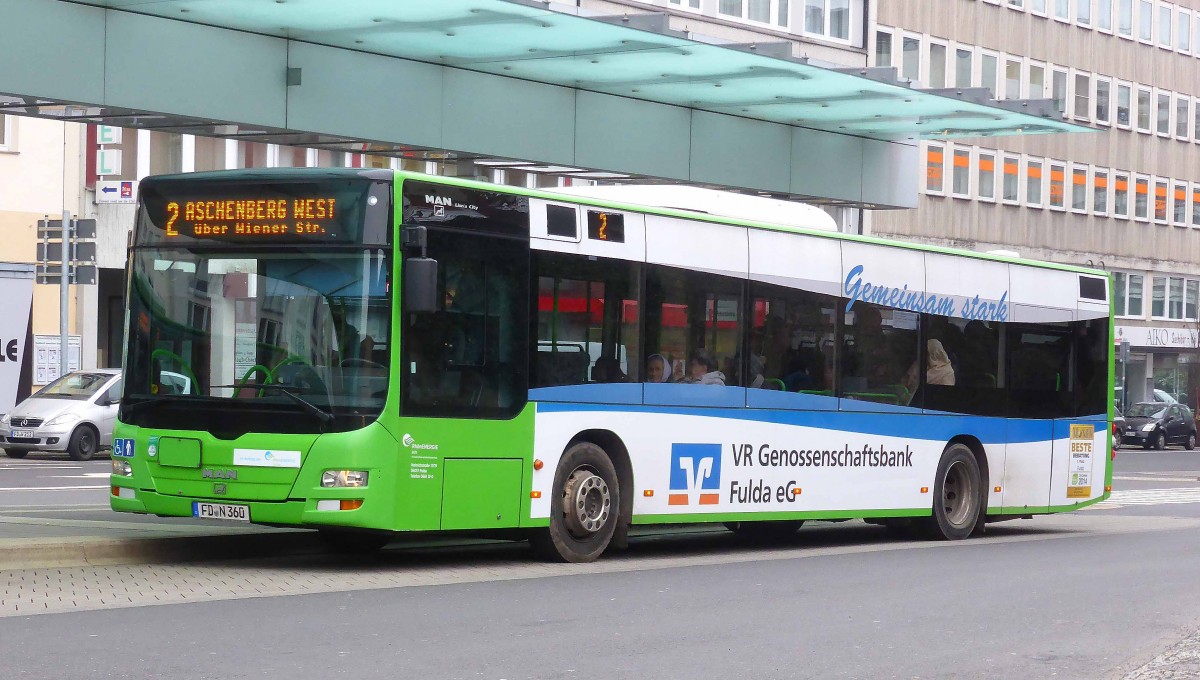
(46, 536)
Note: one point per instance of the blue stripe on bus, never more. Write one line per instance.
(989, 430)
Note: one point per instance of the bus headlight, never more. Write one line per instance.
(343, 478)
(1149, 427)
(122, 468)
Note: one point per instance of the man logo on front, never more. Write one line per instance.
(695, 474)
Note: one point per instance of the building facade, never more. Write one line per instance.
(1125, 198)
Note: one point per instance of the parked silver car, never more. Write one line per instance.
(74, 414)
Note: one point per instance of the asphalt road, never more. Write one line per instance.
(1109, 592)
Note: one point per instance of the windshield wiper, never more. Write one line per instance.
(320, 413)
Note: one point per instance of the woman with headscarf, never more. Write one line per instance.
(938, 370)
(658, 369)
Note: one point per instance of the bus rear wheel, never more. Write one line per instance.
(584, 507)
(957, 495)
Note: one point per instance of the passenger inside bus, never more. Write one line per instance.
(658, 369)
(702, 370)
(607, 370)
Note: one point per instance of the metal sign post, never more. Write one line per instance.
(63, 298)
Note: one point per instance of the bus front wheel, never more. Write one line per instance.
(957, 495)
(584, 507)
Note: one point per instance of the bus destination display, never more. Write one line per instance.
(258, 219)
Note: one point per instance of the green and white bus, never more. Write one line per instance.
(370, 352)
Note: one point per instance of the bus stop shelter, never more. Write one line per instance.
(502, 80)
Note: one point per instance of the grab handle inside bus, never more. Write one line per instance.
(420, 273)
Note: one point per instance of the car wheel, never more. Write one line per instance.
(15, 454)
(83, 443)
(1160, 440)
(1191, 442)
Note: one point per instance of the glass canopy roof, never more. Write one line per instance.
(634, 56)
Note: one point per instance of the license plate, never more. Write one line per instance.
(23, 434)
(235, 513)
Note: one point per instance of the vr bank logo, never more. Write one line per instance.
(695, 471)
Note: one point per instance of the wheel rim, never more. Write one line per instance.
(86, 442)
(1162, 441)
(587, 503)
(958, 494)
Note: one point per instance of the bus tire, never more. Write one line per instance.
(584, 507)
(765, 531)
(957, 495)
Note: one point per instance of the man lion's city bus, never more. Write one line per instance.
(369, 352)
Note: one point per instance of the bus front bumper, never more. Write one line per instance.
(297, 512)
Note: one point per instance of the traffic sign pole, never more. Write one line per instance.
(63, 299)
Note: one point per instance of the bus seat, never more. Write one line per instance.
(561, 368)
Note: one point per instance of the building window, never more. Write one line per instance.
(883, 48)
(910, 58)
(1057, 186)
(1100, 192)
(1125, 18)
(1196, 205)
(1083, 12)
(1182, 117)
(1103, 97)
(5, 132)
(1038, 7)
(1179, 205)
(1164, 25)
(1011, 192)
(1164, 114)
(1012, 79)
(987, 176)
(1059, 90)
(1062, 10)
(1160, 200)
(1145, 20)
(1196, 121)
(1083, 90)
(1120, 195)
(1037, 81)
(988, 63)
(1189, 301)
(1033, 183)
(1143, 109)
(1127, 294)
(1016, 4)
(962, 173)
(1123, 99)
(829, 18)
(1175, 298)
(962, 67)
(752, 10)
(1104, 10)
(934, 169)
(937, 65)
(1079, 189)
(1183, 31)
(691, 4)
(1141, 198)
(1158, 297)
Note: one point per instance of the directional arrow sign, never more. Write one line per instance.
(110, 191)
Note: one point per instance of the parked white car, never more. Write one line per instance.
(74, 414)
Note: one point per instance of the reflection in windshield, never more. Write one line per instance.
(221, 326)
(1146, 411)
(74, 386)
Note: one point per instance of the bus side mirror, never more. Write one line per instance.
(420, 284)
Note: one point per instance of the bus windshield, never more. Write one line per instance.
(224, 329)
